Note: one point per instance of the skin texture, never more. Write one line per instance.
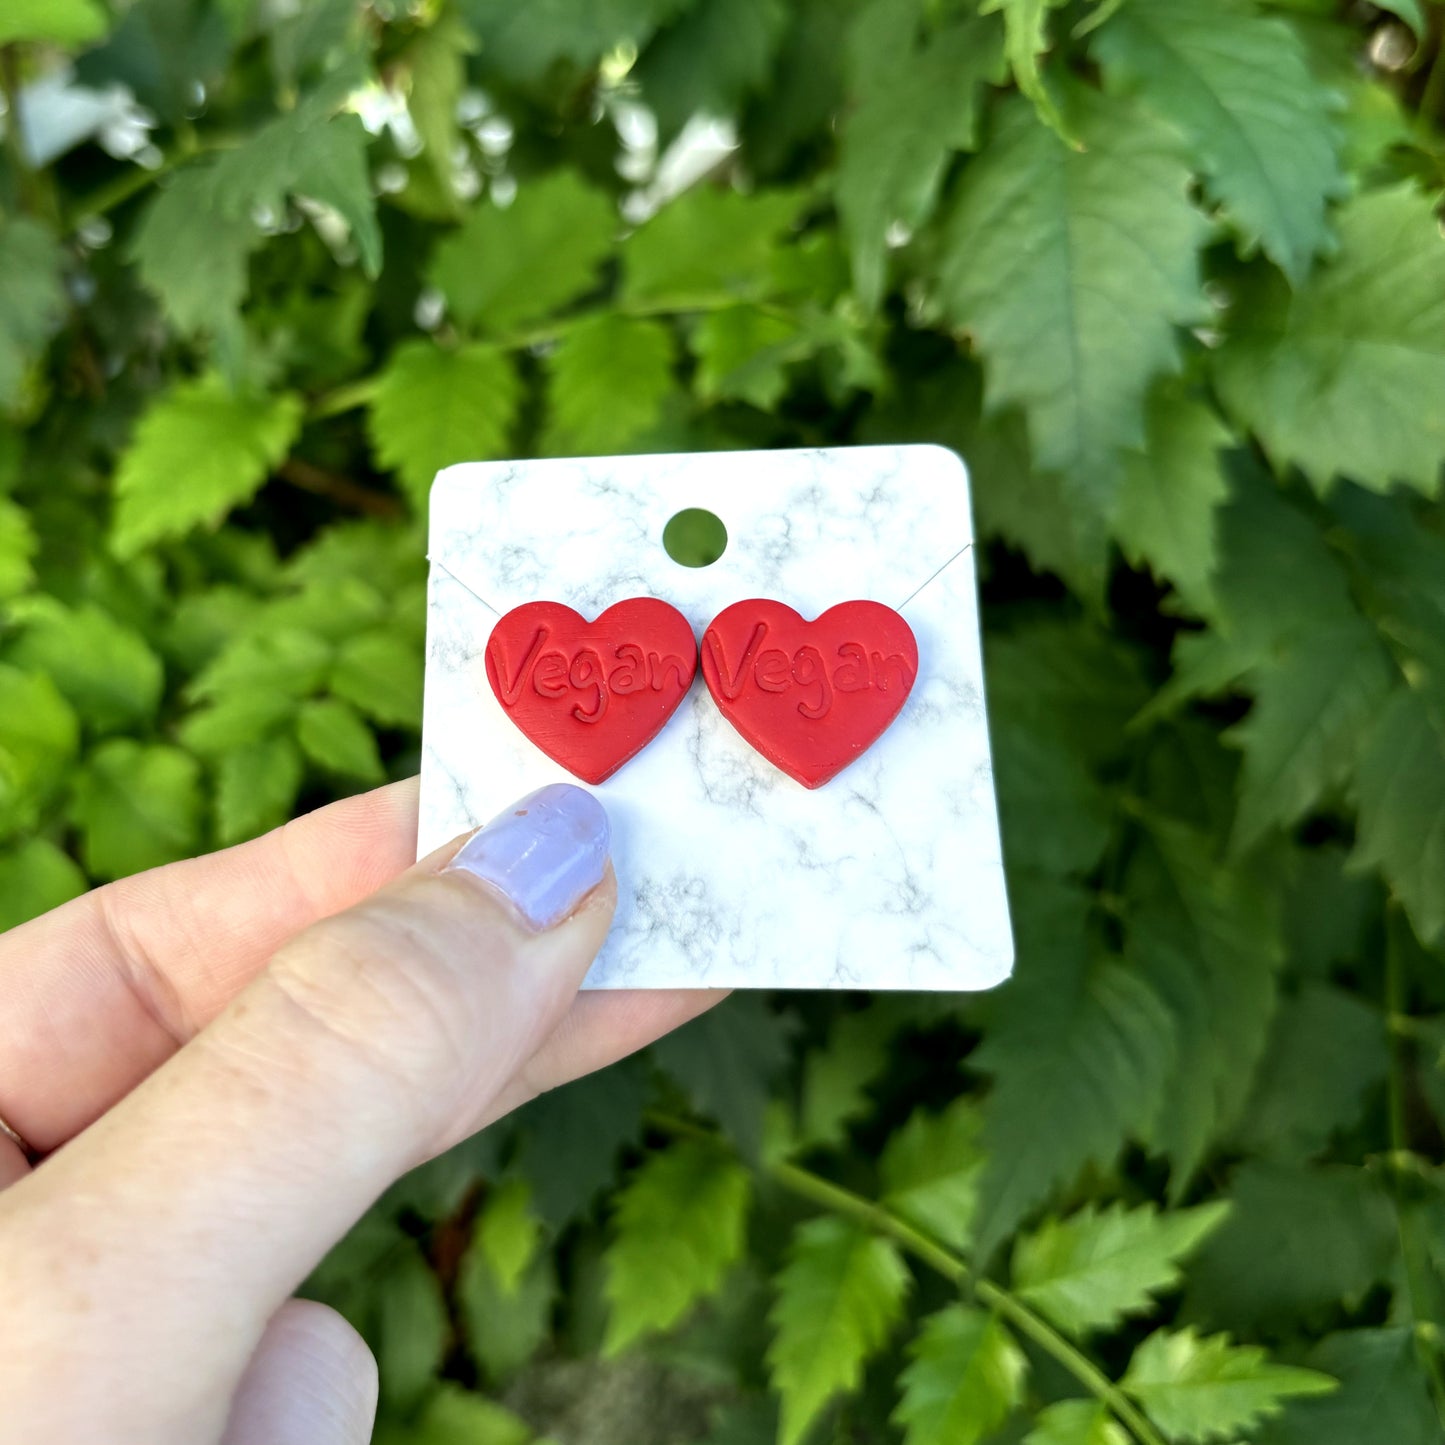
(226, 1061)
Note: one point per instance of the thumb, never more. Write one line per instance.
(312, 1381)
(168, 1234)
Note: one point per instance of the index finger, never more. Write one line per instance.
(99, 993)
(158, 1244)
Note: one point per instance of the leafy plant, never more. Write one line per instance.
(1169, 274)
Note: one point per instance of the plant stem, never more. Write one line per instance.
(358, 393)
(117, 192)
(844, 1202)
(1396, 1007)
(834, 1197)
(341, 490)
(348, 397)
(29, 186)
(137, 178)
(1432, 96)
(1078, 1364)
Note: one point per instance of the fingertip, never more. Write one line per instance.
(312, 1381)
(545, 854)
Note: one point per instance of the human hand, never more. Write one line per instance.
(225, 1061)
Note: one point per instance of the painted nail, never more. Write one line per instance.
(546, 853)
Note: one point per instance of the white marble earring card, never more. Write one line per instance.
(730, 872)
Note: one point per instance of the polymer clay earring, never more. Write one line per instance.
(811, 697)
(591, 695)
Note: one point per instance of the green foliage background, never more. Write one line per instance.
(1169, 274)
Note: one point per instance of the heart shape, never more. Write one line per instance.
(591, 695)
(811, 697)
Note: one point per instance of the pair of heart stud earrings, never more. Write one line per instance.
(811, 697)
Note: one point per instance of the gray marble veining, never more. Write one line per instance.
(729, 872)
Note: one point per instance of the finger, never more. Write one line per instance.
(102, 991)
(167, 1235)
(312, 1381)
(13, 1165)
(599, 1029)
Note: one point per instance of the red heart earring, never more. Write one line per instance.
(591, 695)
(811, 697)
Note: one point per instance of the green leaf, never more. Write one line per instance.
(569, 1139)
(711, 58)
(1330, 915)
(1023, 505)
(706, 247)
(256, 788)
(728, 1061)
(840, 1295)
(198, 452)
(1410, 12)
(438, 60)
(332, 734)
(433, 408)
(1398, 567)
(1091, 1270)
(310, 151)
(1171, 492)
(106, 671)
(1208, 938)
(1060, 695)
(1383, 1395)
(35, 877)
(1069, 679)
(39, 735)
(894, 147)
(507, 1287)
(137, 806)
(311, 34)
(192, 254)
(412, 1328)
(965, 1377)
(1401, 787)
(1076, 1422)
(454, 1416)
(380, 673)
(930, 1171)
(836, 1077)
(1303, 735)
(331, 167)
(162, 50)
(1207, 1389)
(1071, 269)
(1080, 1048)
(1327, 1051)
(52, 22)
(504, 268)
(1277, 581)
(523, 43)
(1343, 376)
(1026, 40)
(18, 545)
(508, 1234)
(193, 243)
(1277, 576)
(236, 722)
(1296, 1244)
(1238, 84)
(679, 1224)
(743, 353)
(607, 380)
(32, 298)
(506, 1327)
(260, 671)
